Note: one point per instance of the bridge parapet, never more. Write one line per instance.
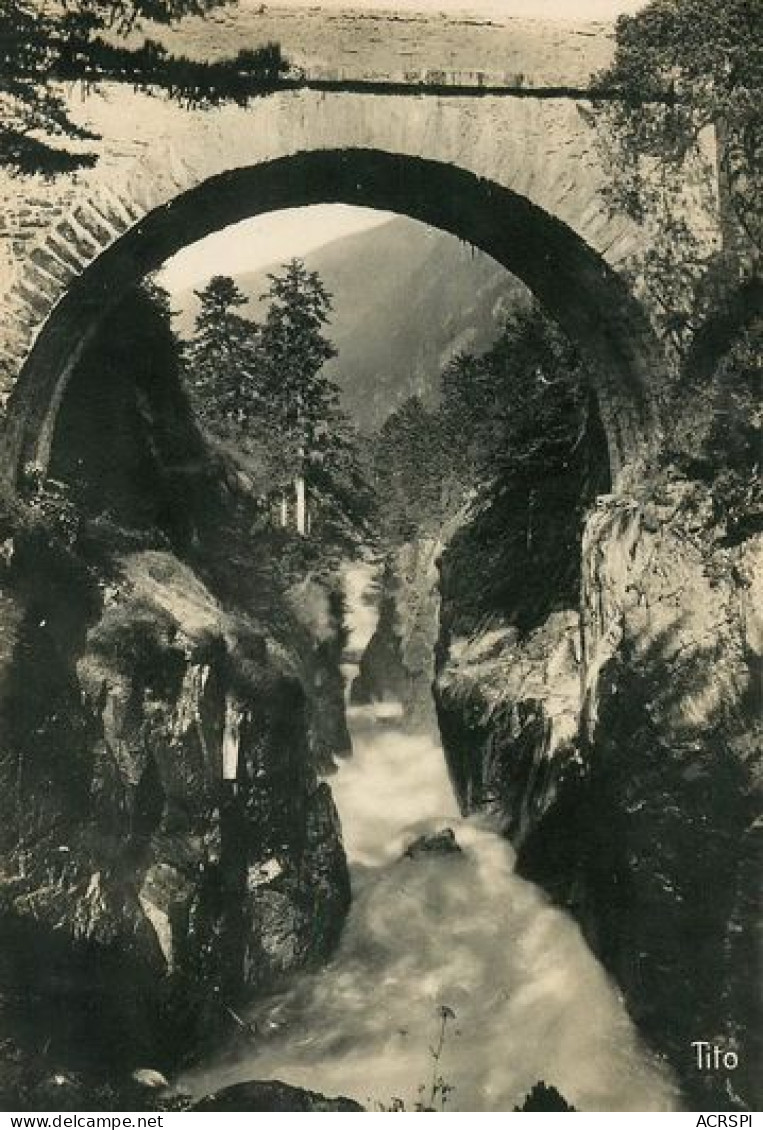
(343, 45)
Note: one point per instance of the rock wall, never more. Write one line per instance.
(671, 734)
(509, 711)
(318, 607)
(166, 845)
(398, 663)
(619, 744)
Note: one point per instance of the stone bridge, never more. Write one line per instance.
(479, 128)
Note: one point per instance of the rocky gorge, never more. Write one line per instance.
(173, 712)
(610, 724)
(527, 789)
(164, 826)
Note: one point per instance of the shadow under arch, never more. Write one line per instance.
(572, 281)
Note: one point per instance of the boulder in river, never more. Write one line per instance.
(439, 843)
(543, 1098)
(272, 1095)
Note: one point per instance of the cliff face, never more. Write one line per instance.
(167, 846)
(617, 742)
(318, 609)
(509, 712)
(398, 663)
(671, 735)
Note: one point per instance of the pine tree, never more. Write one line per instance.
(259, 389)
(515, 414)
(222, 362)
(518, 407)
(303, 403)
(409, 470)
(44, 46)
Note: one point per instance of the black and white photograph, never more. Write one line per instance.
(381, 557)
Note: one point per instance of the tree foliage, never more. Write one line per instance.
(316, 445)
(516, 413)
(303, 402)
(502, 471)
(259, 388)
(686, 81)
(734, 442)
(43, 47)
(523, 401)
(221, 359)
(680, 67)
(408, 461)
(724, 444)
(683, 69)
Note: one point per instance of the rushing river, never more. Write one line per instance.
(529, 1000)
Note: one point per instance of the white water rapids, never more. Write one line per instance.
(530, 1000)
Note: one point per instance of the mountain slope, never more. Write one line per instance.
(406, 299)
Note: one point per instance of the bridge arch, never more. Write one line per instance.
(571, 280)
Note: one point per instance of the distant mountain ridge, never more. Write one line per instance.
(407, 298)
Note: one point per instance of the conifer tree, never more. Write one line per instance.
(44, 46)
(408, 470)
(513, 413)
(260, 389)
(303, 403)
(222, 361)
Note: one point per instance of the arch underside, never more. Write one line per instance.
(573, 283)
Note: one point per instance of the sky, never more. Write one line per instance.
(279, 236)
(264, 240)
